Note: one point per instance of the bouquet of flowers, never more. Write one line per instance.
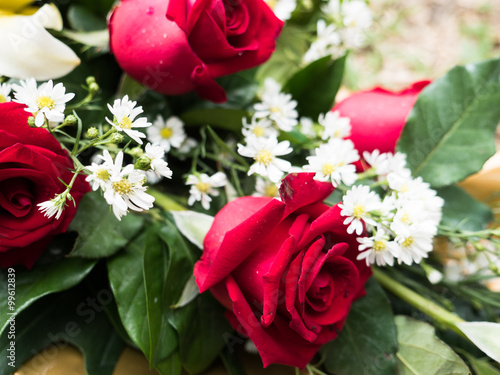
(177, 177)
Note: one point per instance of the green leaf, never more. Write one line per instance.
(480, 366)
(201, 326)
(163, 339)
(43, 279)
(125, 271)
(69, 317)
(461, 211)
(193, 225)
(228, 119)
(172, 365)
(82, 19)
(315, 86)
(422, 353)
(367, 344)
(100, 234)
(484, 335)
(450, 132)
(189, 293)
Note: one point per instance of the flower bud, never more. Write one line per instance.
(70, 120)
(143, 163)
(92, 133)
(116, 138)
(31, 122)
(92, 84)
(136, 152)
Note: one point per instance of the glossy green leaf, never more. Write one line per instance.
(422, 353)
(100, 234)
(367, 344)
(202, 327)
(125, 271)
(450, 132)
(82, 19)
(463, 212)
(163, 339)
(485, 335)
(171, 365)
(315, 86)
(42, 279)
(189, 293)
(69, 317)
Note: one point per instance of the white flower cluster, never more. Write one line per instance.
(5, 90)
(275, 113)
(351, 19)
(47, 102)
(403, 224)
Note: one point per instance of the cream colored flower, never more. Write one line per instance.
(27, 49)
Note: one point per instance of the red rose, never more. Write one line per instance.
(32, 163)
(177, 46)
(378, 116)
(285, 270)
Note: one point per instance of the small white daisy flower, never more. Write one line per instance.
(356, 14)
(378, 249)
(265, 151)
(125, 189)
(415, 243)
(333, 161)
(101, 171)
(283, 9)
(278, 107)
(334, 125)
(55, 206)
(386, 163)
(5, 90)
(328, 42)
(259, 128)
(202, 186)
(167, 134)
(125, 113)
(358, 204)
(46, 102)
(266, 188)
(158, 164)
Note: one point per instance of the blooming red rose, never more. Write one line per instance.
(378, 116)
(32, 163)
(285, 270)
(177, 46)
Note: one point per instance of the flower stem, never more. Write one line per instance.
(426, 306)
(164, 201)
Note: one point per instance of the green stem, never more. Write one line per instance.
(95, 142)
(426, 306)
(164, 201)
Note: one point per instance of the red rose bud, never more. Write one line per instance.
(285, 270)
(32, 165)
(378, 116)
(177, 46)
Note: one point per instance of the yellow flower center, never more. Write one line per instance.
(358, 211)
(102, 174)
(271, 191)
(264, 157)
(203, 187)
(126, 123)
(166, 133)
(122, 187)
(275, 109)
(258, 131)
(408, 242)
(379, 246)
(405, 219)
(328, 169)
(2, 99)
(404, 189)
(271, 3)
(45, 101)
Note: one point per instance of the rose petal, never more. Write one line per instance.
(276, 344)
(296, 191)
(217, 262)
